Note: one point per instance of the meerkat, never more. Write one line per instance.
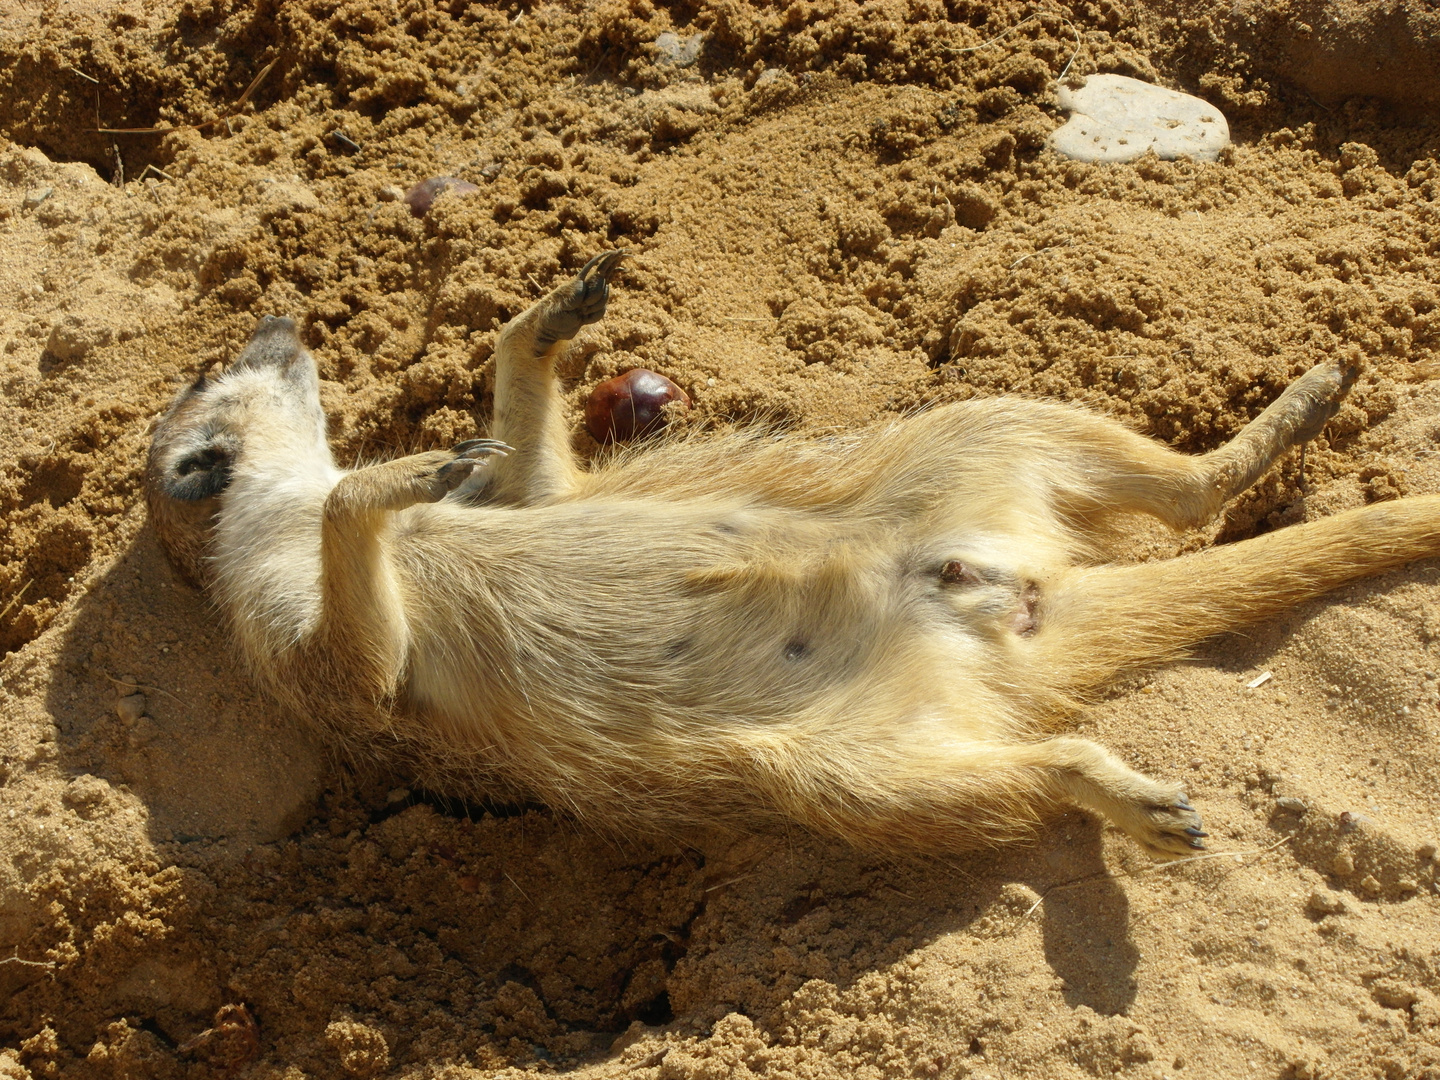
(876, 638)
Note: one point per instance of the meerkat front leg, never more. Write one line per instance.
(362, 626)
(541, 467)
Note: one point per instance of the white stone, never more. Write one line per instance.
(1114, 118)
(671, 48)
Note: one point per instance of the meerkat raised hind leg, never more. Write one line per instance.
(541, 466)
(1113, 470)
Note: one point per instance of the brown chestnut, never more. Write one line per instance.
(423, 195)
(631, 405)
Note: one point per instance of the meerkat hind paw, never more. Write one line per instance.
(583, 302)
(1322, 389)
(1171, 832)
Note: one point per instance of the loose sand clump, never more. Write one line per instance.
(839, 212)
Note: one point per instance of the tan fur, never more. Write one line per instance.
(871, 637)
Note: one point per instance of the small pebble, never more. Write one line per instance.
(1344, 864)
(390, 193)
(35, 196)
(1427, 850)
(131, 708)
(1370, 883)
(672, 49)
(1290, 804)
(1325, 902)
(631, 405)
(422, 196)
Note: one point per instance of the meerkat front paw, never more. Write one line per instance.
(579, 303)
(429, 477)
(455, 465)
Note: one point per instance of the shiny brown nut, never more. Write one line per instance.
(423, 195)
(631, 405)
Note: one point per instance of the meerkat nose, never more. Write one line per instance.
(275, 343)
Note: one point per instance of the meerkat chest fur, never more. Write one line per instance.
(636, 613)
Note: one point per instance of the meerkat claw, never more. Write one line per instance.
(477, 448)
(592, 285)
(580, 303)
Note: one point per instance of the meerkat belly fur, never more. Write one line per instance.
(875, 638)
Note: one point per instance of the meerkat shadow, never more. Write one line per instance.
(1085, 922)
(145, 695)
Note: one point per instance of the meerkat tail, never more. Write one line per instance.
(1100, 620)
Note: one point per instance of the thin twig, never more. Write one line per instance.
(1030, 18)
(132, 686)
(82, 74)
(28, 963)
(517, 887)
(729, 881)
(239, 105)
(16, 598)
(1105, 874)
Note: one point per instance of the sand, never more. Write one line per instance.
(839, 212)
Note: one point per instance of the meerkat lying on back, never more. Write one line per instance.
(874, 639)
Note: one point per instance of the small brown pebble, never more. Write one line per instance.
(423, 195)
(390, 193)
(1426, 850)
(468, 883)
(131, 708)
(1325, 902)
(1291, 804)
(1344, 864)
(1370, 884)
(631, 405)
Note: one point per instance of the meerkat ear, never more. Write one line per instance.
(201, 472)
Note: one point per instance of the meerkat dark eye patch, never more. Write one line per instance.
(200, 474)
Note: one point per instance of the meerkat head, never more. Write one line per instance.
(266, 401)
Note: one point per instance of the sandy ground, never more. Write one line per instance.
(840, 212)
